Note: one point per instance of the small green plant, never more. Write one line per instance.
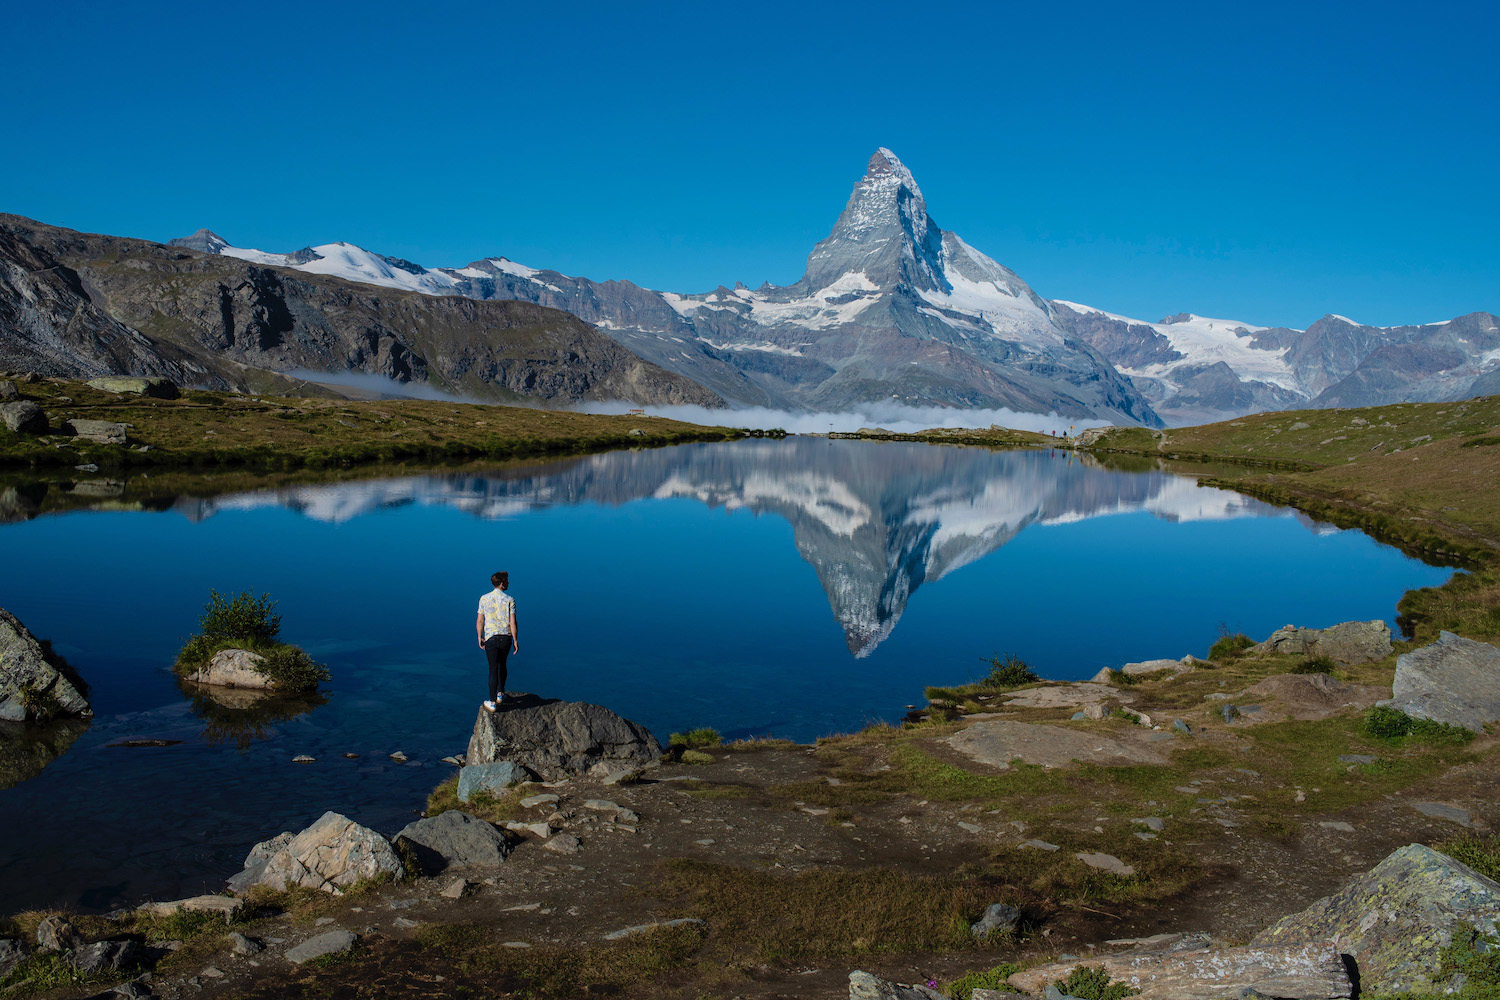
(696, 739)
(1120, 678)
(696, 757)
(1008, 672)
(997, 978)
(1315, 665)
(1229, 646)
(1391, 724)
(243, 616)
(1091, 982)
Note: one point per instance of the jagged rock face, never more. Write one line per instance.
(332, 853)
(557, 739)
(32, 684)
(79, 305)
(1395, 919)
(1347, 642)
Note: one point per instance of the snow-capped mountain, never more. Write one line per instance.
(1198, 370)
(890, 307)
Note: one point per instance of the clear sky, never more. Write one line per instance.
(1269, 162)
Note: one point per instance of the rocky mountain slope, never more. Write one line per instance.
(1199, 370)
(891, 307)
(75, 304)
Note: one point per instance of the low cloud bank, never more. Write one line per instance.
(379, 385)
(889, 416)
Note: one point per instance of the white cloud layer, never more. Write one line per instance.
(889, 416)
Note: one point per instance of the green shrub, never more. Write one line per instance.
(1008, 672)
(1480, 853)
(997, 978)
(291, 669)
(1229, 646)
(1391, 724)
(1315, 665)
(1091, 982)
(696, 739)
(244, 616)
(1120, 678)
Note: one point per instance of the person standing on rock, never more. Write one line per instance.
(496, 628)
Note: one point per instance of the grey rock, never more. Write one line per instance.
(244, 946)
(8, 391)
(1454, 681)
(239, 668)
(1145, 668)
(1040, 845)
(453, 840)
(57, 933)
(1155, 823)
(563, 843)
(1358, 758)
(1395, 919)
(863, 986)
(1106, 862)
(32, 679)
(493, 777)
(329, 943)
(1348, 642)
(23, 417)
(1442, 810)
(333, 852)
(12, 950)
(625, 932)
(108, 956)
(157, 388)
(545, 799)
(557, 739)
(999, 918)
(1305, 970)
(1181, 726)
(226, 906)
(1229, 712)
(95, 431)
(256, 861)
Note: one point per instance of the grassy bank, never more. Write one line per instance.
(218, 430)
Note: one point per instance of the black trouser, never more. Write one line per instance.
(497, 650)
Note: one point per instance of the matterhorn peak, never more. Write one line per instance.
(887, 164)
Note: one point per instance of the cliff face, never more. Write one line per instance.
(82, 305)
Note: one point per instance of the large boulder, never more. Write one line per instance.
(114, 955)
(332, 853)
(1395, 919)
(23, 417)
(1454, 680)
(158, 388)
(12, 950)
(233, 668)
(863, 986)
(96, 431)
(557, 739)
(1348, 642)
(1144, 668)
(255, 862)
(493, 778)
(453, 840)
(34, 683)
(1305, 970)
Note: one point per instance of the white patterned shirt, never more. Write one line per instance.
(497, 606)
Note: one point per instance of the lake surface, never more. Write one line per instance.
(788, 588)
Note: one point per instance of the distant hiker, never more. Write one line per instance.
(496, 628)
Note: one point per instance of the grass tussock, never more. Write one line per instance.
(696, 739)
(1481, 853)
(996, 978)
(481, 805)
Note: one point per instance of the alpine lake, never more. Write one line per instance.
(790, 588)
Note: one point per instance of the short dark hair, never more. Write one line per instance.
(501, 580)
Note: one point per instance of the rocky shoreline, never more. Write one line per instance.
(568, 832)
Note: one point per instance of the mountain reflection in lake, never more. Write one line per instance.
(682, 587)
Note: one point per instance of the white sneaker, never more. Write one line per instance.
(489, 706)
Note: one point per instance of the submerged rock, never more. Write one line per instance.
(1395, 919)
(34, 682)
(332, 853)
(1348, 642)
(557, 739)
(1454, 680)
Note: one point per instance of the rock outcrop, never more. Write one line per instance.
(1395, 919)
(1302, 970)
(1147, 667)
(997, 742)
(1348, 642)
(1454, 680)
(238, 668)
(1309, 696)
(863, 986)
(557, 739)
(493, 778)
(34, 682)
(453, 840)
(23, 417)
(332, 853)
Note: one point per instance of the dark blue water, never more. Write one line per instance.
(792, 589)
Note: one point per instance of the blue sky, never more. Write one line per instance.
(1269, 164)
